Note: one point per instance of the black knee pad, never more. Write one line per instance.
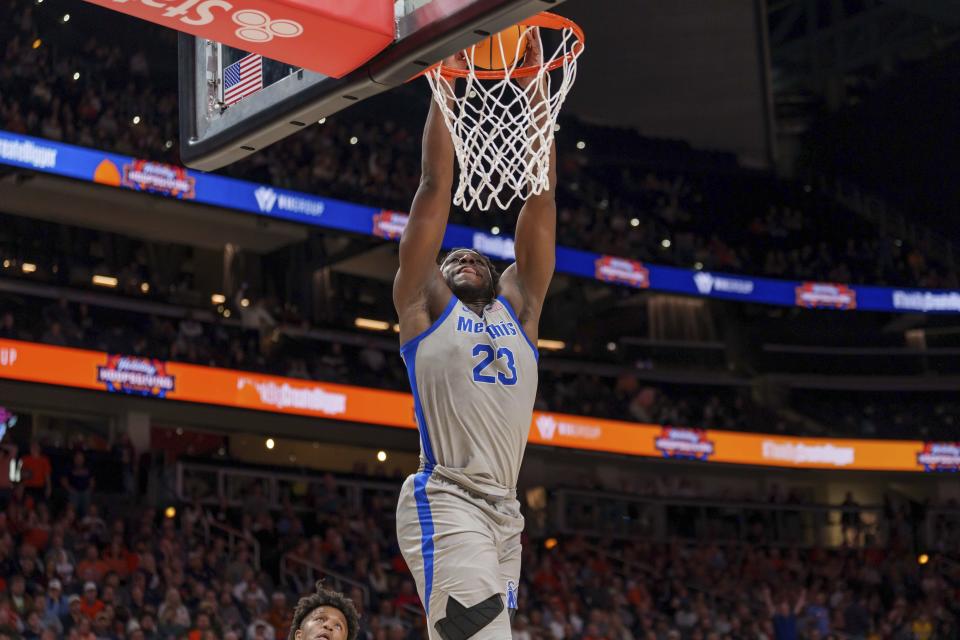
(462, 623)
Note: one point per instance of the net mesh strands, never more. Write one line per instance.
(502, 129)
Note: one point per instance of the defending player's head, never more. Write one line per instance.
(325, 615)
(470, 275)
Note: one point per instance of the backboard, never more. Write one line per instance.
(225, 115)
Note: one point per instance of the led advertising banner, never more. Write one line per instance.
(184, 184)
(77, 368)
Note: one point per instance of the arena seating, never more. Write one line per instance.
(712, 214)
(231, 570)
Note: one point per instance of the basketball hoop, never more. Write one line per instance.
(502, 132)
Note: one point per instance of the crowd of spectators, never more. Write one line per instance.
(925, 416)
(111, 568)
(121, 96)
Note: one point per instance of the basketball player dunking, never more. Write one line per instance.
(467, 338)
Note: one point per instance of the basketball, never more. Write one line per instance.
(500, 50)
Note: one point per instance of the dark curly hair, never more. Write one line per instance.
(325, 598)
(494, 273)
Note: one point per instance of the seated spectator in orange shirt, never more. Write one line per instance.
(119, 560)
(91, 605)
(202, 627)
(37, 530)
(92, 568)
(36, 473)
(279, 615)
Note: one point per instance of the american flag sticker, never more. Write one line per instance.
(243, 78)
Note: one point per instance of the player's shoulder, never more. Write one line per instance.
(511, 293)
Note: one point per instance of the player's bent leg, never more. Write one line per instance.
(449, 544)
(461, 622)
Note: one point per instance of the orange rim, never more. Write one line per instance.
(543, 19)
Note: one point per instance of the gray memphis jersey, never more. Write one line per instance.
(474, 382)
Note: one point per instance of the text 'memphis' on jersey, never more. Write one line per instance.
(474, 382)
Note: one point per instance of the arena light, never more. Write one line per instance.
(321, 120)
(354, 140)
(245, 303)
(551, 345)
(381, 456)
(665, 243)
(550, 543)
(105, 281)
(168, 144)
(144, 287)
(28, 267)
(226, 313)
(373, 325)
(136, 119)
(76, 75)
(581, 145)
(6, 264)
(634, 222)
(495, 230)
(66, 17)
(923, 558)
(170, 512)
(270, 443)
(218, 298)
(37, 43)
(698, 266)
(611, 346)
(396, 328)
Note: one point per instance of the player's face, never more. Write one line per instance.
(323, 623)
(465, 271)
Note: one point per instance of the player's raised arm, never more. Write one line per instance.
(423, 235)
(535, 244)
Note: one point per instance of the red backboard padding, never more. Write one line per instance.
(332, 37)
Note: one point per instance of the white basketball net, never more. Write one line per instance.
(502, 132)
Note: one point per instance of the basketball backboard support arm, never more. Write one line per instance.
(212, 136)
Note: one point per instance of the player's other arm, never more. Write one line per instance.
(418, 286)
(525, 282)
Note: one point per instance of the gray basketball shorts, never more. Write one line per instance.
(464, 553)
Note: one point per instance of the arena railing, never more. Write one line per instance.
(209, 482)
(633, 567)
(289, 563)
(658, 519)
(213, 529)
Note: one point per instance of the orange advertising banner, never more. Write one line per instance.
(77, 368)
